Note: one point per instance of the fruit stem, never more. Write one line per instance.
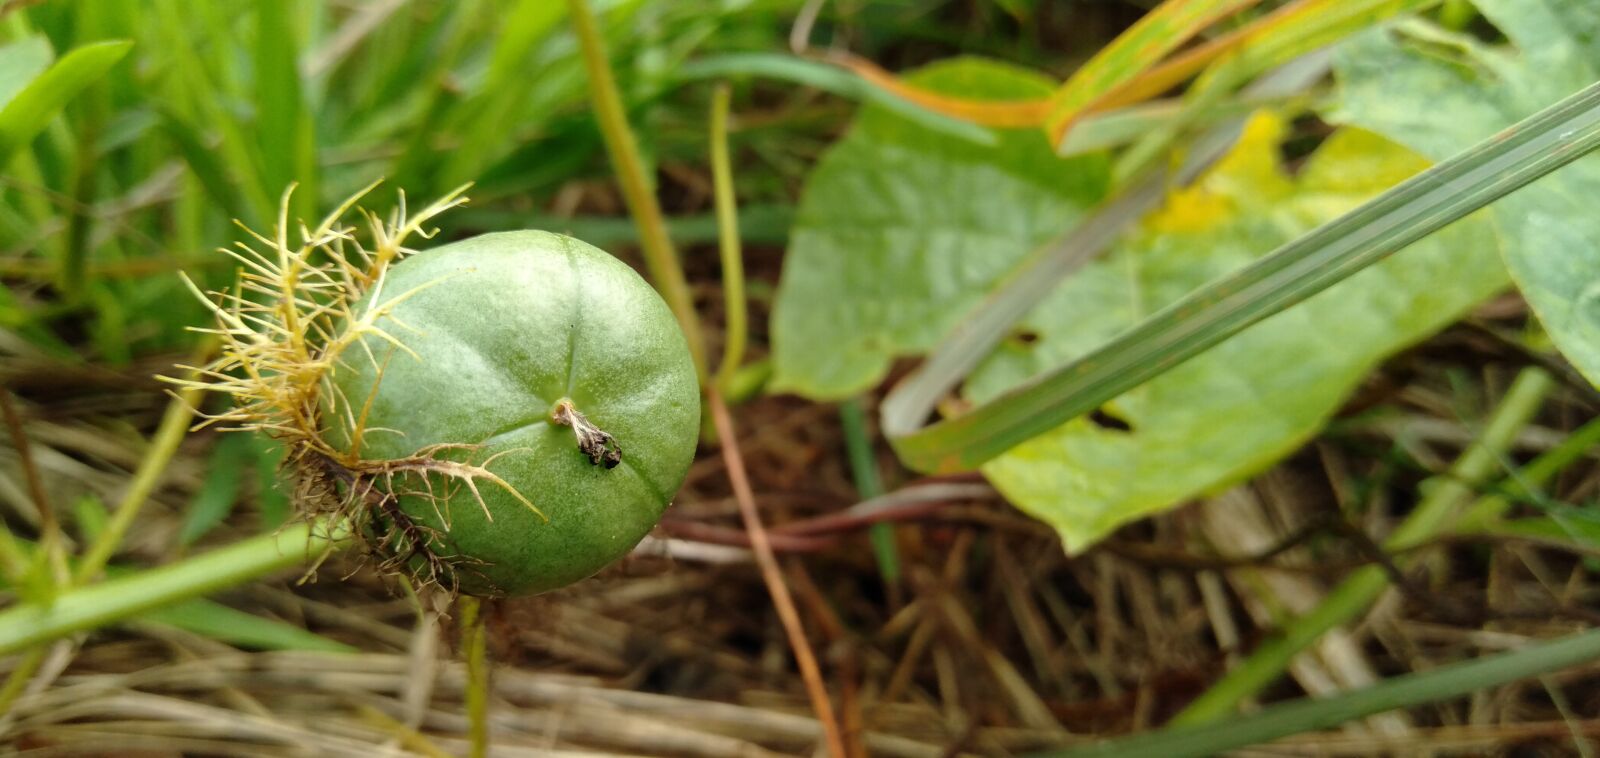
(666, 272)
(477, 693)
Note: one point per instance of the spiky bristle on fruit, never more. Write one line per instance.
(288, 320)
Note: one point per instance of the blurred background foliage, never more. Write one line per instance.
(220, 106)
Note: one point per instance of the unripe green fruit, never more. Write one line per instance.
(504, 327)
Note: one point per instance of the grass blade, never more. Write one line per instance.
(203, 161)
(1309, 714)
(1160, 32)
(1440, 508)
(20, 62)
(31, 110)
(231, 458)
(284, 128)
(525, 27)
(235, 627)
(1417, 207)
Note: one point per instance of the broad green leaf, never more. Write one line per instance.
(902, 229)
(1236, 409)
(20, 62)
(1437, 92)
(31, 109)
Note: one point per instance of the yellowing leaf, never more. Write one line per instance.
(1244, 177)
(1148, 41)
(996, 113)
(1238, 408)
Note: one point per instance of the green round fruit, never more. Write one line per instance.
(504, 336)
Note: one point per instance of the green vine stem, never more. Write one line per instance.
(174, 425)
(728, 238)
(84, 608)
(20, 675)
(659, 256)
(1442, 505)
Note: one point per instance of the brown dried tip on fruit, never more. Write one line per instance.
(592, 440)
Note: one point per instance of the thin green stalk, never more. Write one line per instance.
(659, 256)
(19, 677)
(1523, 483)
(1445, 499)
(174, 425)
(477, 694)
(669, 279)
(864, 470)
(1558, 698)
(90, 607)
(728, 235)
(1309, 714)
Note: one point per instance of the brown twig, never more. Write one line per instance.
(773, 575)
(722, 535)
(912, 503)
(49, 525)
(846, 660)
(19, 440)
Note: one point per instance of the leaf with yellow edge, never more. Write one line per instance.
(1282, 31)
(997, 113)
(1036, 111)
(1291, 30)
(1160, 32)
(1241, 406)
